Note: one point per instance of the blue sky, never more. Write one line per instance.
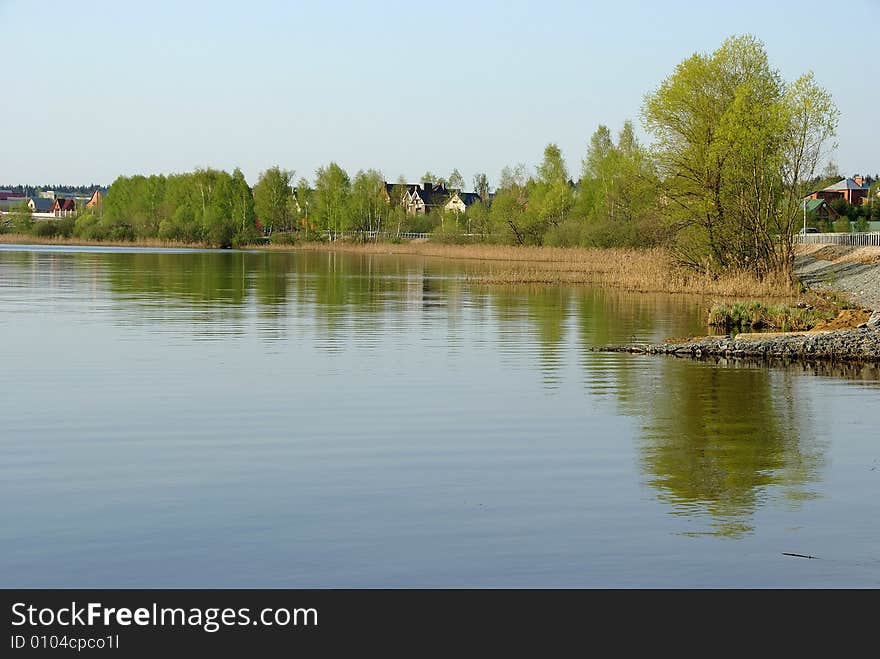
(97, 89)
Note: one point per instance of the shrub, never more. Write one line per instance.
(757, 316)
(283, 238)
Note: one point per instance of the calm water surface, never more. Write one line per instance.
(198, 418)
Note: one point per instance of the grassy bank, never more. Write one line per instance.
(757, 316)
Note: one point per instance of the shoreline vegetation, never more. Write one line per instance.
(836, 325)
(746, 301)
(652, 270)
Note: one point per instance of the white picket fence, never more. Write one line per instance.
(852, 239)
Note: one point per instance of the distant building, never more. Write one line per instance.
(819, 209)
(11, 204)
(97, 198)
(419, 199)
(63, 208)
(852, 190)
(459, 202)
(40, 205)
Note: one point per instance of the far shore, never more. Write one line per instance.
(647, 271)
(639, 270)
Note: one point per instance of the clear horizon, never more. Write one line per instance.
(403, 88)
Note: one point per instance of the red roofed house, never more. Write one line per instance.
(63, 207)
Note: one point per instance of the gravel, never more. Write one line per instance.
(860, 280)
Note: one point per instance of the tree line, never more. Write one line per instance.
(734, 149)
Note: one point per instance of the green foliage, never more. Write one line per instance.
(274, 202)
(736, 146)
(207, 205)
(332, 198)
(756, 315)
(61, 228)
(507, 214)
(20, 220)
(455, 180)
(367, 210)
(283, 238)
(481, 186)
(842, 225)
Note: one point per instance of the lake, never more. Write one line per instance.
(189, 418)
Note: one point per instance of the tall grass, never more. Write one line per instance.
(641, 270)
(755, 315)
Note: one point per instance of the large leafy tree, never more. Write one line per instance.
(618, 180)
(481, 186)
(508, 213)
(332, 196)
(550, 196)
(241, 204)
(456, 180)
(273, 199)
(736, 146)
(368, 208)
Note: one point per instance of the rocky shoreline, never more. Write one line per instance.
(858, 345)
(842, 269)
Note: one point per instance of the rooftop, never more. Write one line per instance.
(844, 184)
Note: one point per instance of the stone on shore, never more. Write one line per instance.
(841, 345)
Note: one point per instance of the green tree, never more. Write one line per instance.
(241, 200)
(735, 148)
(21, 219)
(513, 176)
(550, 197)
(273, 200)
(507, 214)
(304, 203)
(456, 180)
(332, 195)
(397, 212)
(367, 206)
(481, 186)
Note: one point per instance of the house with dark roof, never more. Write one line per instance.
(63, 207)
(40, 205)
(853, 190)
(459, 201)
(419, 199)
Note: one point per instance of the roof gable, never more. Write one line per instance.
(844, 184)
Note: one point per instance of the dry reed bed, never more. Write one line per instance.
(640, 270)
(840, 253)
